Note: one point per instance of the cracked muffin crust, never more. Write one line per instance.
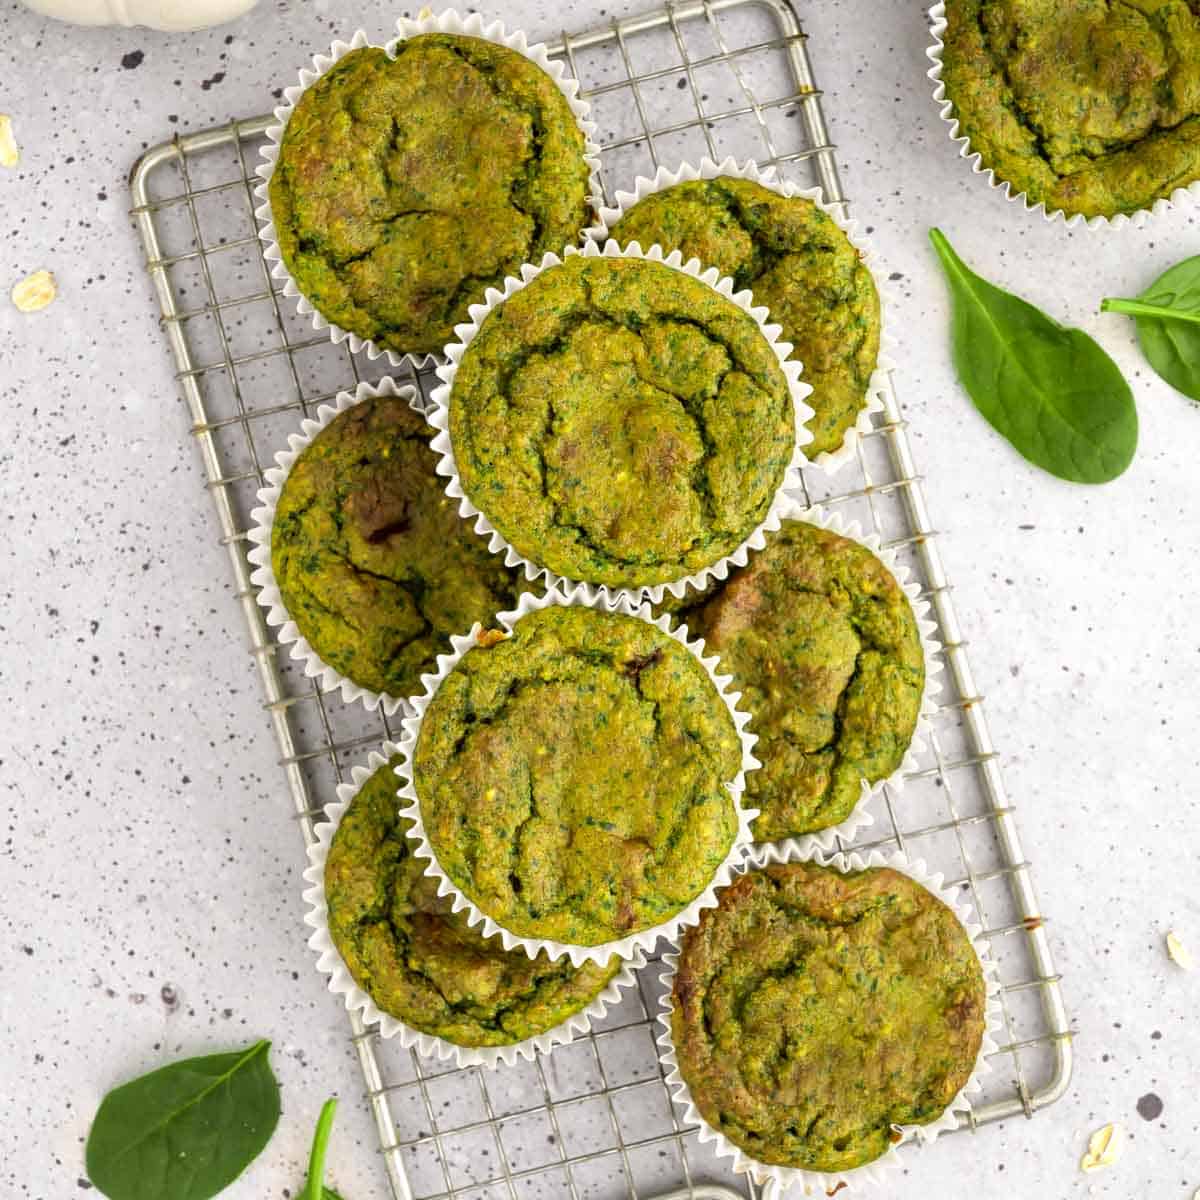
(420, 962)
(1090, 106)
(405, 187)
(572, 776)
(814, 1010)
(372, 560)
(798, 262)
(823, 645)
(620, 422)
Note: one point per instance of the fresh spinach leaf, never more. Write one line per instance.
(185, 1131)
(1168, 325)
(1051, 391)
(315, 1188)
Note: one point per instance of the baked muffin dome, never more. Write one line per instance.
(620, 422)
(813, 1010)
(823, 645)
(1088, 108)
(797, 261)
(418, 961)
(372, 560)
(572, 776)
(407, 185)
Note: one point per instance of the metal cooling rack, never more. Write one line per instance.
(593, 1119)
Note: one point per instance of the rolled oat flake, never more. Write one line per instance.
(9, 154)
(34, 292)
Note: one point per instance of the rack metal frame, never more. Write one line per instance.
(248, 367)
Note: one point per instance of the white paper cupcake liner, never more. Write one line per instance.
(439, 415)
(1186, 194)
(644, 940)
(876, 1172)
(341, 982)
(831, 460)
(259, 554)
(826, 840)
(451, 22)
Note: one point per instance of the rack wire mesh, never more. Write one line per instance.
(594, 1118)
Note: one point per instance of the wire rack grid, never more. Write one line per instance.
(594, 1118)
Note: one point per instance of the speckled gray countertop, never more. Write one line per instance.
(149, 878)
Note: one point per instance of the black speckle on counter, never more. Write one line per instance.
(1150, 1107)
(216, 77)
(133, 59)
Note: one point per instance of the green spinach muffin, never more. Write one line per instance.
(796, 261)
(814, 1010)
(572, 776)
(823, 645)
(374, 564)
(620, 422)
(406, 186)
(1085, 106)
(422, 963)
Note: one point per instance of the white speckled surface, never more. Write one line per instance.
(149, 878)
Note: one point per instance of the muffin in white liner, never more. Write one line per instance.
(262, 575)
(829, 461)
(860, 819)
(1189, 193)
(331, 964)
(448, 22)
(875, 1172)
(645, 939)
(442, 397)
